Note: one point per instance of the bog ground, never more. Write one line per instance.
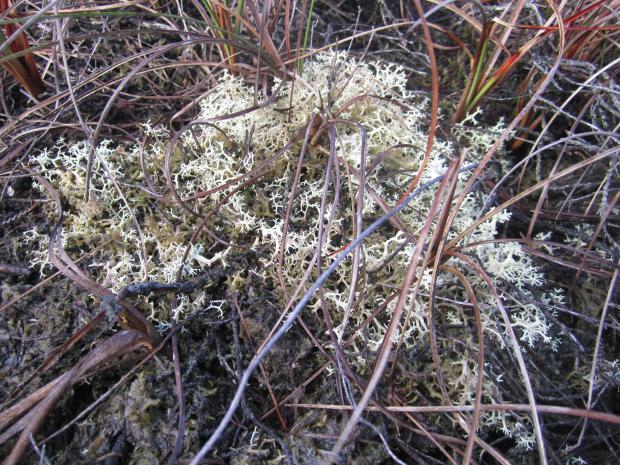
(309, 232)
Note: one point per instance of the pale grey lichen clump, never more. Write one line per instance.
(373, 95)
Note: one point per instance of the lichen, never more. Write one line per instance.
(148, 237)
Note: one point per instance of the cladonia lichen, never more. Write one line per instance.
(215, 151)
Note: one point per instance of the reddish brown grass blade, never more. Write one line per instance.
(120, 343)
(22, 68)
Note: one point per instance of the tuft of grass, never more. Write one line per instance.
(18, 60)
(583, 26)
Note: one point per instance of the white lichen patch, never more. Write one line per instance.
(369, 105)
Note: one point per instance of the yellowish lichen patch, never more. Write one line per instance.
(215, 151)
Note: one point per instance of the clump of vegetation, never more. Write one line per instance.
(378, 126)
(351, 255)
